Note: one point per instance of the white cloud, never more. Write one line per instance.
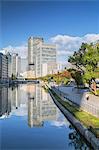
(64, 52)
(21, 50)
(65, 42)
(58, 123)
(22, 110)
(91, 38)
(66, 45)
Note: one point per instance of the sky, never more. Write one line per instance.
(64, 23)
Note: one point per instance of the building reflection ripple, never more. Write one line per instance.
(40, 106)
(28, 100)
(28, 112)
(5, 103)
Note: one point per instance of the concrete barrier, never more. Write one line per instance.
(89, 136)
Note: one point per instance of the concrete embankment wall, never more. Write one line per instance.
(89, 136)
(91, 106)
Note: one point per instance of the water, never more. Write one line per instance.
(29, 120)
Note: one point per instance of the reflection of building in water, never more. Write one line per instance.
(9, 99)
(34, 106)
(49, 110)
(40, 107)
(5, 103)
(15, 97)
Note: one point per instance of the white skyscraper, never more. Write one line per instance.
(9, 64)
(30, 54)
(41, 56)
(3, 68)
(24, 64)
(16, 64)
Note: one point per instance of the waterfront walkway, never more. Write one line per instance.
(78, 96)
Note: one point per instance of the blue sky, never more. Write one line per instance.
(20, 19)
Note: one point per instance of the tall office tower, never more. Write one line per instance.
(45, 59)
(16, 64)
(19, 66)
(32, 49)
(24, 64)
(30, 54)
(48, 58)
(41, 56)
(3, 68)
(9, 64)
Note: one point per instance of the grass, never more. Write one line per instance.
(87, 119)
(97, 91)
(46, 89)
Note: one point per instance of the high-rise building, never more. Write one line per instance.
(30, 54)
(16, 64)
(24, 65)
(3, 68)
(41, 56)
(9, 64)
(33, 43)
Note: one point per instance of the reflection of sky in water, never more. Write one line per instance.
(34, 123)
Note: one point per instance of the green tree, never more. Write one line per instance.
(13, 77)
(86, 60)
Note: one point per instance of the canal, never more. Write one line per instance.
(29, 120)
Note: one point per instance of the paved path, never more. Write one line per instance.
(79, 97)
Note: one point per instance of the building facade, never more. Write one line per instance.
(3, 68)
(16, 64)
(9, 64)
(41, 57)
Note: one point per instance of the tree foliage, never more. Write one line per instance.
(60, 77)
(13, 77)
(86, 60)
(77, 76)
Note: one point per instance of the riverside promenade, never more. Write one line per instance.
(79, 97)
